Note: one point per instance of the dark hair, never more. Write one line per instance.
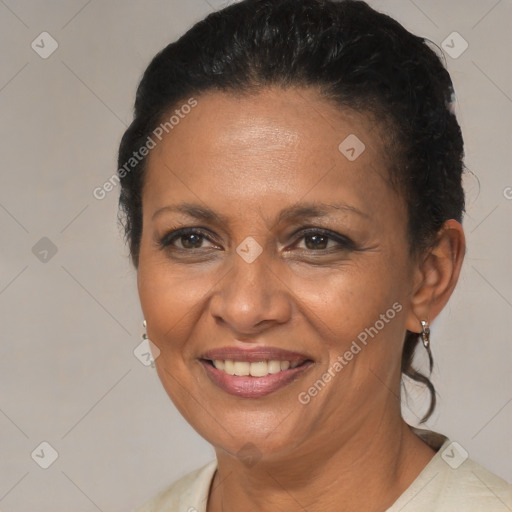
(356, 57)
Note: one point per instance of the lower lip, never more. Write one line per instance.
(253, 387)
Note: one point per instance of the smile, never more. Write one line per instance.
(254, 369)
(253, 373)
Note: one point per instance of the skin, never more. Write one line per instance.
(247, 159)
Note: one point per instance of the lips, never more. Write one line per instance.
(254, 372)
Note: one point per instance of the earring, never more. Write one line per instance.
(152, 353)
(425, 337)
(425, 334)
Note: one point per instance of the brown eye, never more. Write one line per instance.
(314, 242)
(191, 241)
(317, 240)
(183, 239)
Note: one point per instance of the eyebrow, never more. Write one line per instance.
(294, 212)
(192, 210)
(311, 210)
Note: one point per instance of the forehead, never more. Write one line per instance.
(276, 145)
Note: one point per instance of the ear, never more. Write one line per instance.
(436, 275)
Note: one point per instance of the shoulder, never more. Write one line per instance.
(188, 494)
(452, 481)
(470, 486)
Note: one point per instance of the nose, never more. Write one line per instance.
(250, 298)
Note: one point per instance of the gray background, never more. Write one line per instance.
(71, 320)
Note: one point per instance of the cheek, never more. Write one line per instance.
(350, 298)
(170, 297)
(171, 300)
(357, 324)
(360, 323)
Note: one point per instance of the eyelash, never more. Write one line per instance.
(170, 237)
(166, 242)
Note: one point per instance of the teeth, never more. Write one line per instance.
(259, 369)
(229, 367)
(256, 369)
(242, 368)
(274, 366)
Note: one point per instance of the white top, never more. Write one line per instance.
(450, 482)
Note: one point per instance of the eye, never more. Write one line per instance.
(318, 240)
(187, 239)
(314, 242)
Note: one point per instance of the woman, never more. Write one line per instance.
(291, 193)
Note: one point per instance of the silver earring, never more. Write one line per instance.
(149, 361)
(425, 334)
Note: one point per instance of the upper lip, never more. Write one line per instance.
(253, 354)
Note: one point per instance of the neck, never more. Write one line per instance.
(367, 473)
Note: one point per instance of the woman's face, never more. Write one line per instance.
(296, 268)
